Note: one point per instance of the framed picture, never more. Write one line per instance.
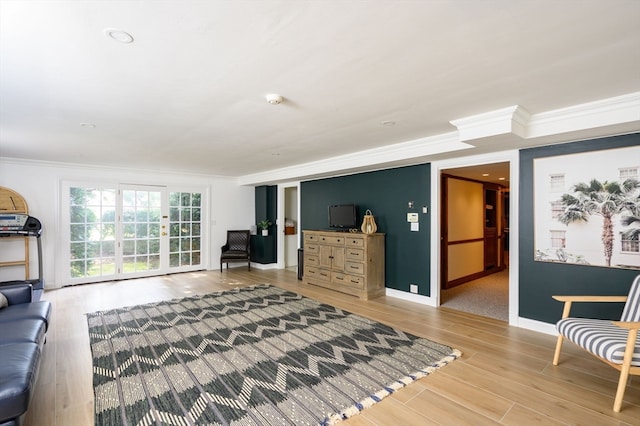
(587, 208)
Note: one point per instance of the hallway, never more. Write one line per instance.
(487, 296)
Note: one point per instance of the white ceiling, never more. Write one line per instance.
(188, 93)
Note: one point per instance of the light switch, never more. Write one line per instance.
(425, 209)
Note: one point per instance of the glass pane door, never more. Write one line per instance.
(185, 213)
(141, 231)
(92, 233)
(125, 231)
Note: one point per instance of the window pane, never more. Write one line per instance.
(77, 251)
(78, 232)
(128, 247)
(174, 260)
(108, 248)
(154, 262)
(142, 230)
(195, 199)
(77, 214)
(174, 245)
(154, 246)
(174, 214)
(142, 247)
(129, 231)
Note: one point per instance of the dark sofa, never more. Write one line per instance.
(23, 327)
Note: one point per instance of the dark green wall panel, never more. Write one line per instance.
(264, 249)
(539, 280)
(386, 193)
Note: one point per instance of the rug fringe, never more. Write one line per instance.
(389, 389)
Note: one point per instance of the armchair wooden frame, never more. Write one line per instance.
(625, 368)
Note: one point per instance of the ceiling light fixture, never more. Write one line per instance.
(273, 99)
(119, 35)
(88, 125)
(388, 123)
(485, 174)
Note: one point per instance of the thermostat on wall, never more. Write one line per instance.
(412, 217)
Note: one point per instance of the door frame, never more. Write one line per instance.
(280, 254)
(61, 261)
(437, 167)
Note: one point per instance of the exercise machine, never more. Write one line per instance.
(23, 225)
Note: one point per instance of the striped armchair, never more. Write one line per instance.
(613, 342)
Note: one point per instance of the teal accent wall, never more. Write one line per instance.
(265, 249)
(540, 280)
(386, 193)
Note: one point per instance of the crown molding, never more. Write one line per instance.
(513, 119)
(591, 115)
(350, 163)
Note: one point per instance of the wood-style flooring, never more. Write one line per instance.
(504, 377)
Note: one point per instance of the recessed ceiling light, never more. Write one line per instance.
(485, 174)
(88, 125)
(119, 35)
(502, 178)
(388, 123)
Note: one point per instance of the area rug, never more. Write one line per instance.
(257, 355)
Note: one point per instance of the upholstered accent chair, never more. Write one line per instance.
(613, 342)
(236, 249)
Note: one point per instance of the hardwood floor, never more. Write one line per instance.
(504, 377)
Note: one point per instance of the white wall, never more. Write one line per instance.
(230, 206)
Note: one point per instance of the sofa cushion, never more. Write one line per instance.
(22, 331)
(35, 310)
(18, 372)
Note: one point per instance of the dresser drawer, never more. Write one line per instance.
(311, 260)
(355, 242)
(347, 280)
(317, 274)
(329, 239)
(354, 254)
(310, 248)
(354, 268)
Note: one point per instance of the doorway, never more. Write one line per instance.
(474, 227)
(120, 231)
(289, 226)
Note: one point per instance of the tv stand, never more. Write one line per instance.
(348, 262)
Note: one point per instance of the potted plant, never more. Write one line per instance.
(264, 225)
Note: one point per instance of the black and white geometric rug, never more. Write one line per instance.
(250, 356)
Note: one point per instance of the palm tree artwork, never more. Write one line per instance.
(605, 199)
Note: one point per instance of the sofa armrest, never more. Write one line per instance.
(18, 293)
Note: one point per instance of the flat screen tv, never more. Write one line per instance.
(342, 216)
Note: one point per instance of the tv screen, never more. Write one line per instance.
(342, 216)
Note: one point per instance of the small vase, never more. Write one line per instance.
(265, 232)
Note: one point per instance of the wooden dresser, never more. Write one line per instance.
(351, 263)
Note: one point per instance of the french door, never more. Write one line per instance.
(127, 231)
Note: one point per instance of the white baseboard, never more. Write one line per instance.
(263, 266)
(526, 323)
(411, 297)
(539, 326)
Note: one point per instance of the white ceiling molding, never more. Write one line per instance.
(490, 126)
(513, 119)
(360, 161)
(605, 112)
